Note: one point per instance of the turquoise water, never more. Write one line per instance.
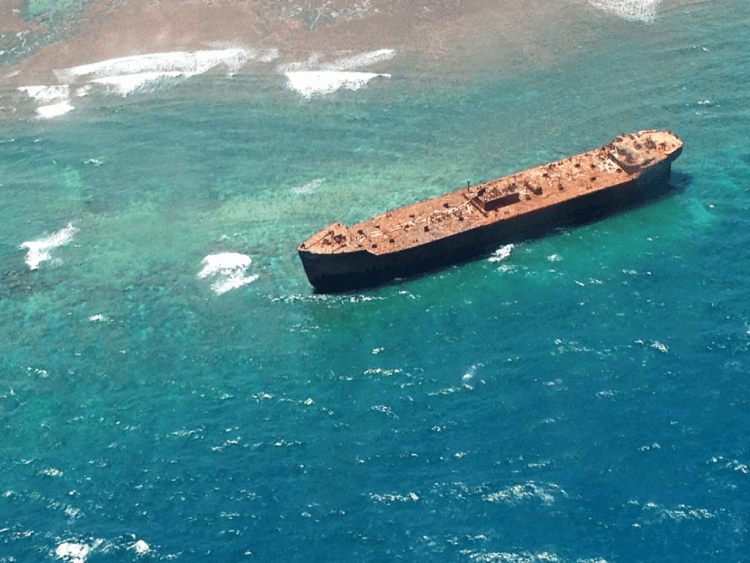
(583, 399)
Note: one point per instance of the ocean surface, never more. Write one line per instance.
(172, 389)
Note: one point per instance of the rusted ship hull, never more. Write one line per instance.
(360, 268)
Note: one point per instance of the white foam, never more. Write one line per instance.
(141, 547)
(127, 83)
(309, 187)
(46, 93)
(310, 63)
(357, 61)
(310, 78)
(637, 10)
(470, 375)
(309, 83)
(229, 268)
(186, 63)
(525, 491)
(39, 250)
(54, 110)
(73, 552)
(501, 253)
(341, 64)
(54, 98)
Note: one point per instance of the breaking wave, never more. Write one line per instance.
(39, 250)
(185, 63)
(129, 82)
(228, 269)
(126, 74)
(53, 99)
(73, 552)
(309, 83)
(501, 253)
(311, 78)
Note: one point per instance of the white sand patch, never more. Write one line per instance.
(311, 82)
(636, 10)
(180, 62)
(39, 250)
(73, 552)
(309, 187)
(228, 269)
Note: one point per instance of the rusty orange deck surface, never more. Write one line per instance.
(616, 163)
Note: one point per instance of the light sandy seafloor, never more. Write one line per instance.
(121, 45)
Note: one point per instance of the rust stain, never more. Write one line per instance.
(387, 246)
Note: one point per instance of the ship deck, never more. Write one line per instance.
(614, 164)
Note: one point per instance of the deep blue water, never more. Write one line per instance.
(583, 400)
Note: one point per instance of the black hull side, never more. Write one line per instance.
(356, 270)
